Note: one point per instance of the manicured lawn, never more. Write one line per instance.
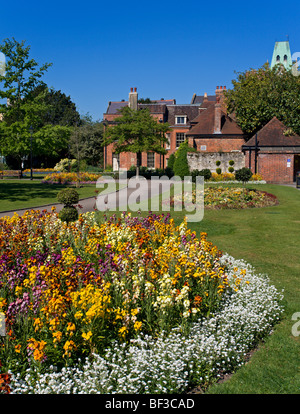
(269, 239)
(18, 194)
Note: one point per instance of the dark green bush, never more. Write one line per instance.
(244, 174)
(206, 173)
(68, 196)
(171, 161)
(218, 170)
(181, 166)
(231, 162)
(218, 163)
(231, 169)
(68, 214)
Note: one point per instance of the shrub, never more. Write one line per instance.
(231, 169)
(218, 171)
(68, 196)
(231, 162)
(68, 214)
(244, 174)
(171, 162)
(206, 173)
(181, 167)
(65, 164)
(218, 163)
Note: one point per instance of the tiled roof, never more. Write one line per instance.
(198, 99)
(205, 124)
(272, 135)
(157, 105)
(191, 111)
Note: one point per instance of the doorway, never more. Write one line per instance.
(296, 165)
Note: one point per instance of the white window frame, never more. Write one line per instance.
(152, 156)
(179, 118)
(184, 138)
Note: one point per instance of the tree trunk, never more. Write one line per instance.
(138, 163)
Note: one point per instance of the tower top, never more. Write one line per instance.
(282, 55)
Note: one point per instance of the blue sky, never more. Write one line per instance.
(167, 49)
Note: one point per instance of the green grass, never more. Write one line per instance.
(269, 239)
(19, 194)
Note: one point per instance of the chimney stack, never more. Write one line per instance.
(133, 99)
(217, 123)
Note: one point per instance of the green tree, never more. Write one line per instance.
(259, 95)
(60, 108)
(181, 166)
(24, 109)
(86, 141)
(137, 132)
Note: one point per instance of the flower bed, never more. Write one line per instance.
(135, 305)
(229, 177)
(227, 198)
(71, 178)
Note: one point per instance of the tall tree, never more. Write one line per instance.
(24, 109)
(259, 95)
(86, 141)
(137, 132)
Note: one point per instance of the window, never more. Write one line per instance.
(285, 58)
(180, 137)
(277, 58)
(150, 159)
(168, 143)
(203, 147)
(180, 119)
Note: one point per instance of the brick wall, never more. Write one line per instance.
(273, 167)
(218, 144)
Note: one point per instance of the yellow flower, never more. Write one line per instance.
(137, 326)
(57, 336)
(18, 348)
(87, 336)
(123, 331)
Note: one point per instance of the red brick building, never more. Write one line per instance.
(204, 122)
(273, 153)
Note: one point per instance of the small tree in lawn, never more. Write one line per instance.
(137, 132)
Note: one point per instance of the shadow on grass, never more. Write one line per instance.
(26, 191)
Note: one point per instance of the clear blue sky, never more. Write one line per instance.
(167, 49)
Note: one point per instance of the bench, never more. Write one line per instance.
(10, 173)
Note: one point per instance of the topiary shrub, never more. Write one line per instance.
(218, 163)
(68, 196)
(231, 163)
(171, 162)
(181, 166)
(218, 171)
(231, 169)
(244, 174)
(68, 214)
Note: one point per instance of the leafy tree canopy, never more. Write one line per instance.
(259, 95)
(136, 131)
(26, 106)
